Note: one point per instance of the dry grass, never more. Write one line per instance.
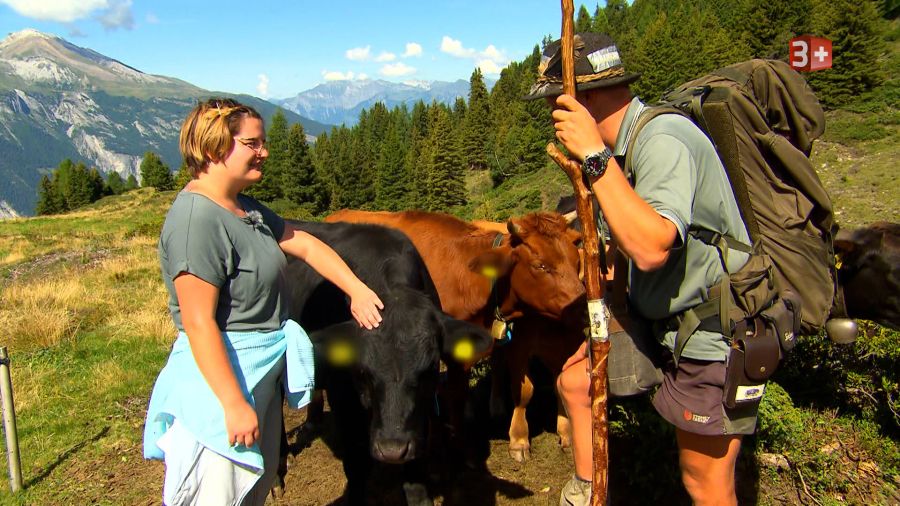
(41, 314)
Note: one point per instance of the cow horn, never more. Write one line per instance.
(570, 217)
(513, 228)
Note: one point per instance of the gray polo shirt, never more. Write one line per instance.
(677, 172)
(240, 256)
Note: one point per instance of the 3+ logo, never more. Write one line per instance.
(810, 53)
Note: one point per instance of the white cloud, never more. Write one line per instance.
(263, 86)
(397, 69)
(412, 49)
(492, 53)
(333, 75)
(385, 56)
(490, 61)
(455, 48)
(152, 18)
(64, 11)
(489, 67)
(118, 15)
(74, 31)
(358, 53)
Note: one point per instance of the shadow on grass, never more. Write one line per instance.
(43, 473)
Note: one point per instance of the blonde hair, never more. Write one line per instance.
(207, 134)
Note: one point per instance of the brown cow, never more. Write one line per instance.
(536, 263)
(538, 285)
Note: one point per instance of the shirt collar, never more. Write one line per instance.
(631, 115)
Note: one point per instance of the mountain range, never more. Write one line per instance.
(340, 102)
(59, 100)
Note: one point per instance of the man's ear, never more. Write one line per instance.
(463, 341)
(493, 263)
(337, 345)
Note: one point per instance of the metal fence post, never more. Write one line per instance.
(9, 423)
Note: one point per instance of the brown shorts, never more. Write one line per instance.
(690, 398)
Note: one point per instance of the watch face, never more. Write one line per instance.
(595, 164)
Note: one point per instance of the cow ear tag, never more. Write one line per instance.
(501, 331)
(463, 350)
(341, 353)
(489, 271)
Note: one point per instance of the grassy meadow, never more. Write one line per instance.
(83, 313)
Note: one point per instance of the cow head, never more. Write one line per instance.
(869, 272)
(394, 368)
(540, 263)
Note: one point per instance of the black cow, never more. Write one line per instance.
(869, 272)
(381, 384)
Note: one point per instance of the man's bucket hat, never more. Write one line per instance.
(597, 65)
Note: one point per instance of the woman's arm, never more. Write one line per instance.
(364, 303)
(197, 300)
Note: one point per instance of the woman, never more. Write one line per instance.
(215, 414)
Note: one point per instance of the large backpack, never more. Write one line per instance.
(762, 118)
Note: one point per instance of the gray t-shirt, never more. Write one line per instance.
(677, 172)
(240, 256)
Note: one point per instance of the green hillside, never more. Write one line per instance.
(84, 316)
(83, 311)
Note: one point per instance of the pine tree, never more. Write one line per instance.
(391, 183)
(61, 177)
(459, 111)
(95, 184)
(324, 167)
(617, 15)
(130, 184)
(182, 177)
(768, 25)
(655, 57)
(600, 24)
(583, 22)
(155, 173)
(49, 199)
(268, 188)
(114, 183)
(416, 163)
(444, 179)
(478, 125)
(855, 31)
(80, 190)
(299, 182)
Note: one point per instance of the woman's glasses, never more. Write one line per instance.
(256, 145)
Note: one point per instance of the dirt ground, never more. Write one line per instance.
(118, 475)
(315, 476)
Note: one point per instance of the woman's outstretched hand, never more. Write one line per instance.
(365, 306)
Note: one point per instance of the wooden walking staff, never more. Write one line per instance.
(598, 315)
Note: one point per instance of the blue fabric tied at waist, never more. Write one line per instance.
(182, 393)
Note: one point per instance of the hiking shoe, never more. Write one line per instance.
(576, 492)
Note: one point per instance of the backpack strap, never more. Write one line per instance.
(713, 314)
(646, 115)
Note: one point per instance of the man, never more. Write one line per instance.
(677, 182)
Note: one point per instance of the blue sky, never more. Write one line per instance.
(275, 49)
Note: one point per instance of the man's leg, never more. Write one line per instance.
(707, 467)
(708, 433)
(573, 386)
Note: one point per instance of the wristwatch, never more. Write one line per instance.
(594, 164)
